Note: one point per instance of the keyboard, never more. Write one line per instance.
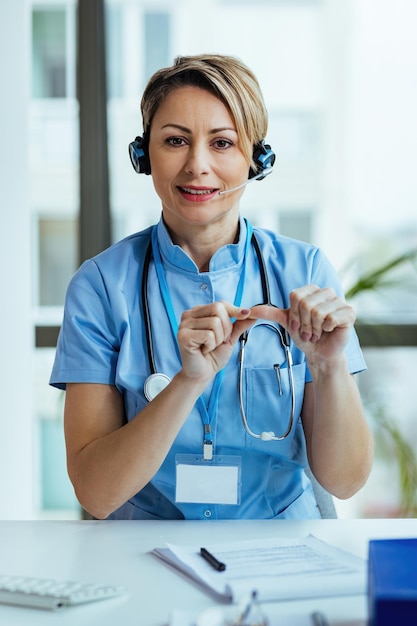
(43, 593)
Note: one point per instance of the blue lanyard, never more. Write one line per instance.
(207, 413)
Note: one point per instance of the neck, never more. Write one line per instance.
(203, 243)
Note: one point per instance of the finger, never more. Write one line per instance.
(235, 312)
(258, 312)
(309, 306)
(214, 321)
(203, 339)
(271, 313)
(222, 309)
(323, 314)
(342, 317)
(204, 332)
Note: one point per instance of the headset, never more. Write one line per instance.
(263, 157)
(139, 155)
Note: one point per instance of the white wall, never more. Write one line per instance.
(16, 423)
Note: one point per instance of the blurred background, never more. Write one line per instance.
(339, 80)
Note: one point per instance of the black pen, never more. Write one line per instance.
(218, 565)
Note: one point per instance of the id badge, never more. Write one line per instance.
(199, 481)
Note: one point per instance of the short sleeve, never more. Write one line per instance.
(88, 343)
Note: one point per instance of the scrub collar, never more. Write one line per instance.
(230, 255)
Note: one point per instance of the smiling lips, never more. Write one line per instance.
(197, 194)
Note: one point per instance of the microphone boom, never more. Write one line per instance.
(259, 176)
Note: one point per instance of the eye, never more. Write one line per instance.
(175, 141)
(223, 144)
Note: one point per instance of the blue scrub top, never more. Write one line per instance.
(102, 340)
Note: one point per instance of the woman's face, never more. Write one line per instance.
(194, 154)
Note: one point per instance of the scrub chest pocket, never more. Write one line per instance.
(271, 397)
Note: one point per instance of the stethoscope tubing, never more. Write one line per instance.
(266, 435)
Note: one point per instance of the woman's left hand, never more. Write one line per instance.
(318, 321)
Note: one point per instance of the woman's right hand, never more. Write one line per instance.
(206, 337)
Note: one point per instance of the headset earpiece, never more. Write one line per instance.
(264, 158)
(139, 155)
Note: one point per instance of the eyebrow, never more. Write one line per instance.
(184, 129)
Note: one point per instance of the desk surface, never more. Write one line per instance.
(118, 552)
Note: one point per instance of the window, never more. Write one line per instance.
(114, 51)
(53, 170)
(157, 31)
(57, 259)
(49, 66)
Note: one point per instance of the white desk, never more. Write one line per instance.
(117, 552)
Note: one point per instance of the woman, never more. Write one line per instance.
(175, 300)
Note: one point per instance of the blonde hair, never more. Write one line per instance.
(228, 79)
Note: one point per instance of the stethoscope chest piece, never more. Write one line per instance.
(154, 384)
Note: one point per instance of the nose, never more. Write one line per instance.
(198, 160)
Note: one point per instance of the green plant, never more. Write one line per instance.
(388, 436)
(381, 276)
(392, 445)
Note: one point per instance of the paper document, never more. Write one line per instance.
(278, 569)
(228, 616)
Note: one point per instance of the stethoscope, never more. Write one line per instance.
(157, 381)
(285, 343)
